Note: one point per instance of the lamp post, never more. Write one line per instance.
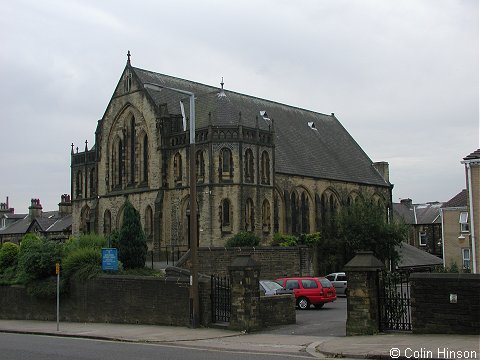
(193, 203)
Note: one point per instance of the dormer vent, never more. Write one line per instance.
(312, 126)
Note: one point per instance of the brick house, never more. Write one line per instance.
(261, 166)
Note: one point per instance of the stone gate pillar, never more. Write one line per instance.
(245, 294)
(362, 297)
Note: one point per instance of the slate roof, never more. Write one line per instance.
(473, 155)
(327, 152)
(418, 213)
(459, 200)
(50, 221)
(412, 257)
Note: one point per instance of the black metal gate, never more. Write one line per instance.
(394, 301)
(220, 299)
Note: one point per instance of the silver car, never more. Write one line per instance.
(339, 281)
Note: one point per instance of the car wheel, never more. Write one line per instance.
(319, 306)
(303, 303)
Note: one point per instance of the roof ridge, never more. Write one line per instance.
(236, 92)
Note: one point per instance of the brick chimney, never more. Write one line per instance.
(65, 205)
(35, 209)
(5, 209)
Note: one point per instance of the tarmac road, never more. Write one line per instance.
(327, 321)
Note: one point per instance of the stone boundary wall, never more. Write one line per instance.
(277, 310)
(274, 262)
(112, 299)
(433, 310)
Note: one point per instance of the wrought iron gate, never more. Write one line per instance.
(220, 297)
(394, 301)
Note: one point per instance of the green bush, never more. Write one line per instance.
(37, 258)
(86, 241)
(8, 255)
(243, 238)
(82, 264)
(280, 239)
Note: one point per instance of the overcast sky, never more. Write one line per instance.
(401, 76)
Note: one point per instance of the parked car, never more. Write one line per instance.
(310, 290)
(339, 280)
(269, 287)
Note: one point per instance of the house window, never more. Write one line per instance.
(464, 228)
(422, 236)
(148, 222)
(466, 258)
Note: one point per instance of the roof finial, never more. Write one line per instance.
(72, 149)
(222, 83)
(128, 57)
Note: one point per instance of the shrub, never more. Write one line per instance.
(284, 240)
(82, 264)
(132, 246)
(243, 238)
(90, 241)
(37, 258)
(8, 255)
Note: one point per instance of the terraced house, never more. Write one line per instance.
(261, 166)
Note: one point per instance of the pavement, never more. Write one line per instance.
(381, 346)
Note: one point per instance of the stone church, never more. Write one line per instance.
(261, 166)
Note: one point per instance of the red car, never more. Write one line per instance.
(310, 290)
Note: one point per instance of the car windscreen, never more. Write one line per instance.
(271, 285)
(325, 283)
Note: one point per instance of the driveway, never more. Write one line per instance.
(327, 321)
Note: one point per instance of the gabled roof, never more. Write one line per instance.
(412, 257)
(418, 214)
(473, 155)
(307, 143)
(49, 222)
(459, 200)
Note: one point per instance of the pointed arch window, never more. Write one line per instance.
(249, 166)
(200, 166)
(132, 150)
(226, 216)
(294, 212)
(85, 220)
(177, 168)
(249, 215)
(92, 183)
(304, 214)
(119, 164)
(148, 222)
(78, 184)
(226, 164)
(145, 159)
(265, 165)
(266, 216)
(107, 222)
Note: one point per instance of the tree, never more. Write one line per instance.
(363, 226)
(132, 246)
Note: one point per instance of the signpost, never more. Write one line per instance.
(57, 271)
(109, 259)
